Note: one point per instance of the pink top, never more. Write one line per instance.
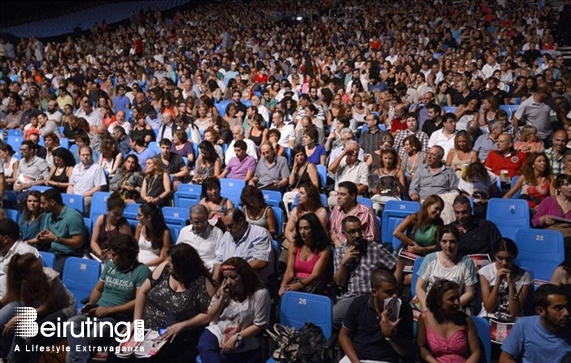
(452, 350)
(304, 268)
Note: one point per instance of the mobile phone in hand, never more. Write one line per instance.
(392, 306)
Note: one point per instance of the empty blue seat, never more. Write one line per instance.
(322, 174)
(232, 189)
(131, 210)
(48, 259)
(483, 330)
(175, 216)
(80, 275)
(174, 231)
(365, 201)
(540, 250)
(273, 198)
(279, 219)
(221, 106)
(298, 308)
(98, 205)
(509, 215)
(12, 214)
(74, 201)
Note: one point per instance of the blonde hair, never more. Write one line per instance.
(528, 130)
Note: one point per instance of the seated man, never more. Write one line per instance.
(545, 337)
(143, 152)
(87, 177)
(445, 136)
(347, 206)
(435, 177)
(272, 171)
(238, 133)
(10, 244)
(63, 229)
(112, 300)
(120, 121)
(242, 239)
(241, 166)
(33, 170)
(354, 261)
(487, 142)
(360, 336)
(173, 164)
(348, 167)
(123, 140)
(201, 235)
(505, 158)
(477, 235)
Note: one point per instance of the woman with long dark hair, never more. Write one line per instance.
(207, 164)
(30, 220)
(60, 172)
(256, 210)
(308, 257)
(108, 226)
(239, 311)
(152, 235)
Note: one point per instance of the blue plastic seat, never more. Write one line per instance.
(80, 275)
(518, 193)
(128, 114)
(174, 231)
(98, 205)
(483, 330)
(154, 146)
(322, 174)
(540, 250)
(14, 141)
(415, 269)
(175, 216)
(509, 215)
(89, 229)
(365, 201)
(279, 219)
(273, 198)
(48, 259)
(12, 214)
(395, 210)
(449, 109)
(14, 133)
(40, 188)
(298, 308)
(221, 106)
(74, 201)
(232, 189)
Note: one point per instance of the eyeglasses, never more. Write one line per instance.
(352, 231)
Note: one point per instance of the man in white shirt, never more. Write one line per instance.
(87, 177)
(86, 111)
(287, 132)
(445, 136)
(238, 133)
(10, 244)
(489, 68)
(120, 121)
(201, 235)
(53, 113)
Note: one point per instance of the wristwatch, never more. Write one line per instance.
(239, 338)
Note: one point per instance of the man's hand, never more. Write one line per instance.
(415, 197)
(387, 326)
(47, 236)
(349, 254)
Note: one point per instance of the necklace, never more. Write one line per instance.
(151, 182)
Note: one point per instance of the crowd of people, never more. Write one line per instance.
(448, 105)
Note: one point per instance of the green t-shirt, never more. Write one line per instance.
(119, 286)
(68, 223)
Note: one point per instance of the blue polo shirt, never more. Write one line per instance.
(67, 224)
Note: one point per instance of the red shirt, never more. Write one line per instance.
(398, 125)
(512, 162)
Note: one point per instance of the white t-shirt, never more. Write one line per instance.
(464, 273)
(490, 272)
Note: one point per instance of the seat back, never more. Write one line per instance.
(509, 215)
(322, 174)
(48, 259)
(393, 224)
(272, 197)
(175, 216)
(40, 188)
(395, 210)
(88, 230)
(12, 214)
(74, 201)
(221, 106)
(187, 195)
(298, 308)
(518, 193)
(415, 268)
(98, 205)
(279, 219)
(80, 275)
(174, 231)
(483, 330)
(130, 212)
(540, 250)
(232, 189)
(365, 201)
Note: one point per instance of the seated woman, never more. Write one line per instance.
(156, 188)
(529, 141)
(108, 226)
(535, 180)
(128, 179)
(111, 158)
(257, 132)
(30, 220)
(239, 311)
(213, 201)
(274, 135)
(557, 205)
(307, 258)
(213, 137)
(390, 183)
(303, 172)
(152, 234)
(505, 286)
(462, 153)
(316, 153)
(208, 163)
(257, 211)
(480, 184)
(10, 164)
(562, 276)
(413, 155)
(60, 172)
(180, 145)
(176, 298)
(449, 265)
(446, 334)
(30, 284)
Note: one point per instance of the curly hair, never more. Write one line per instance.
(528, 170)
(319, 237)
(313, 202)
(423, 213)
(186, 263)
(250, 278)
(434, 297)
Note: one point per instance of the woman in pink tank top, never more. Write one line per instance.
(446, 334)
(308, 257)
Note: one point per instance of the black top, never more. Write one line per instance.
(479, 238)
(368, 340)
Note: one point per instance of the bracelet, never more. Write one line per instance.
(302, 284)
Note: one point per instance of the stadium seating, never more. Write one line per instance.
(509, 215)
